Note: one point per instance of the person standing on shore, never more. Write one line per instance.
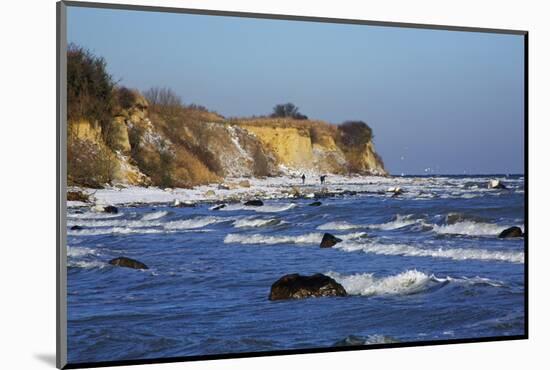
(323, 179)
(303, 179)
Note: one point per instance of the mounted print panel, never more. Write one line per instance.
(237, 184)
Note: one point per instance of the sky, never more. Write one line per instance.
(439, 102)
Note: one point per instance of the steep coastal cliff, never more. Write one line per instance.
(190, 146)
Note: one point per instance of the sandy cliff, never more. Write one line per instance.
(186, 147)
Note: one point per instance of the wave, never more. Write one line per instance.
(114, 223)
(338, 225)
(193, 223)
(255, 222)
(405, 283)
(450, 253)
(93, 215)
(114, 230)
(398, 222)
(261, 209)
(87, 264)
(408, 282)
(80, 252)
(469, 228)
(154, 215)
(311, 238)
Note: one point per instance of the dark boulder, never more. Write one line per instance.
(329, 240)
(76, 227)
(110, 209)
(217, 207)
(78, 196)
(128, 262)
(315, 204)
(254, 203)
(295, 286)
(511, 232)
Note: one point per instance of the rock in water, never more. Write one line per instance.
(495, 184)
(295, 286)
(329, 240)
(315, 204)
(76, 227)
(254, 203)
(217, 207)
(110, 209)
(511, 232)
(128, 262)
(244, 184)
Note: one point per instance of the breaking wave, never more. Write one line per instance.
(93, 215)
(80, 252)
(311, 238)
(193, 223)
(450, 253)
(154, 215)
(469, 228)
(338, 225)
(399, 222)
(255, 222)
(408, 282)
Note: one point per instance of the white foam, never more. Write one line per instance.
(254, 222)
(274, 209)
(113, 223)
(408, 282)
(80, 252)
(154, 215)
(338, 225)
(193, 223)
(114, 230)
(469, 228)
(451, 253)
(311, 238)
(87, 264)
(397, 223)
(93, 215)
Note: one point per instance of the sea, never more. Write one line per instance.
(425, 265)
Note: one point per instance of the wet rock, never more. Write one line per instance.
(77, 227)
(395, 190)
(254, 203)
(223, 187)
(128, 262)
(511, 232)
(495, 184)
(218, 207)
(315, 204)
(78, 196)
(329, 241)
(110, 209)
(295, 286)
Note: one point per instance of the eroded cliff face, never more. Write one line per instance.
(188, 147)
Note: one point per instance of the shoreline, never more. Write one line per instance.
(234, 190)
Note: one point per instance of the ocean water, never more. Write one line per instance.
(426, 265)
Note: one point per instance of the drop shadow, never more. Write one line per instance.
(46, 358)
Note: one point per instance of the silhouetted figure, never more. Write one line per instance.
(303, 179)
(323, 179)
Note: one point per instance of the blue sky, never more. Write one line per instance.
(445, 100)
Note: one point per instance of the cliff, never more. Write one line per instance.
(188, 146)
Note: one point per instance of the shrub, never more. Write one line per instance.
(288, 110)
(89, 87)
(355, 133)
(163, 100)
(88, 163)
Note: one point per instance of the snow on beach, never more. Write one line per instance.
(286, 186)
